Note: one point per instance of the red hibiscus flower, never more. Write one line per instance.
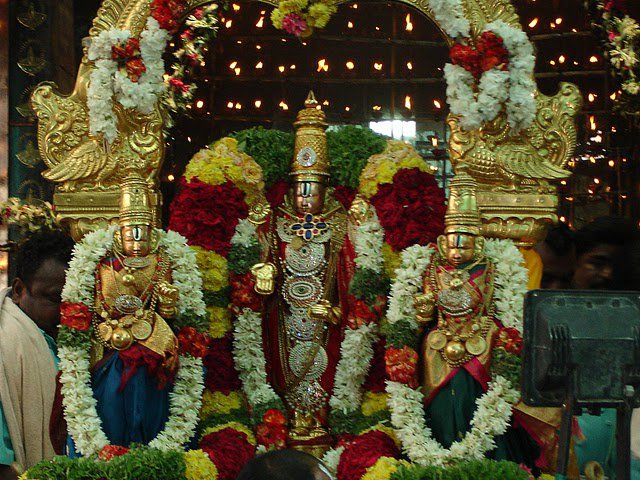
(411, 209)
(75, 315)
(510, 340)
(135, 67)
(179, 85)
(401, 365)
(193, 342)
(243, 294)
(376, 376)
(492, 52)
(126, 50)
(222, 375)
(110, 452)
(207, 214)
(363, 452)
(272, 433)
(467, 57)
(229, 450)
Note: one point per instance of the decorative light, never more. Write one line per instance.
(229, 104)
(354, 6)
(325, 103)
(199, 104)
(189, 139)
(561, 59)
(434, 142)
(281, 68)
(612, 163)
(236, 7)
(613, 96)
(552, 62)
(350, 65)
(592, 97)
(559, 21)
(409, 66)
(407, 102)
(228, 23)
(596, 181)
(258, 103)
(563, 182)
(202, 63)
(171, 177)
(349, 24)
(377, 66)
(292, 67)
(347, 109)
(259, 65)
(237, 70)
(377, 108)
(593, 59)
(260, 22)
(570, 199)
(322, 65)
(377, 29)
(258, 47)
(533, 22)
(239, 42)
(233, 65)
(592, 122)
(238, 106)
(563, 219)
(590, 192)
(409, 26)
(437, 104)
(592, 159)
(283, 105)
(172, 44)
(552, 25)
(318, 107)
(614, 130)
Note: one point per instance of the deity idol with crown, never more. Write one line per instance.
(128, 334)
(465, 314)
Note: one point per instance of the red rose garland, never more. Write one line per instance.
(222, 375)
(75, 315)
(363, 452)
(229, 449)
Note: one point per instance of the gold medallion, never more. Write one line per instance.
(128, 279)
(141, 330)
(136, 262)
(105, 331)
(121, 339)
(437, 340)
(476, 345)
(455, 351)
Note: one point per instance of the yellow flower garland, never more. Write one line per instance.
(199, 465)
(219, 403)
(383, 468)
(392, 260)
(373, 403)
(213, 268)
(219, 321)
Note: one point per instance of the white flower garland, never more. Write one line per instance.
(356, 348)
(513, 89)
(493, 412)
(80, 407)
(107, 82)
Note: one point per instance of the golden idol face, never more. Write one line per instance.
(136, 240)
(460, 248)
(308, 197)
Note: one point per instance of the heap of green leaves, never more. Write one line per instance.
(401, 334)
(349, 149)
(367, 285)
(355, 422)
(241, 258)
(271, 149)
(141, 463)
(473, 470)
(507, 365)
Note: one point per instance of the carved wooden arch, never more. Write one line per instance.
(513, 205)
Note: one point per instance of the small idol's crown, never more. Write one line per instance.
(462, 212)
(135, 201)
(310, 158)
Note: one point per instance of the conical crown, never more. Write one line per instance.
(462, 212)
(135, 201)
(310, 158)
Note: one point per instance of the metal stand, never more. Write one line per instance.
(623, 436)
(565, 433)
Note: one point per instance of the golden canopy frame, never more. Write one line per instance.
(515, 202)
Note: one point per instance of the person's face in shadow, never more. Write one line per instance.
(596, 269)
(557, 269)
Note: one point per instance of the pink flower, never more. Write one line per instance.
(613, 35)
(294, 24)
(177, 84)
(198, 14)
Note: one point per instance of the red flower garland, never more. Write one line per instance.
(168, 13)
(272, 432)
(109, 452)
(193, 342)
(401, 365)
(275, 195)
(363, 452)
(488, 53)
(411, 209)
(75, 315)
(344, 195)
(229, 450)
(222, 375)
(207, 215)
(375, 381)
(510, 340)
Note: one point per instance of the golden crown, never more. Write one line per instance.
(462, 214)
(310, 158)
(135, 201)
